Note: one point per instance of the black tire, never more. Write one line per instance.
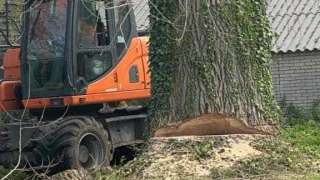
(75, 138)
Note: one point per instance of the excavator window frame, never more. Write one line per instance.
(81, 86)
(82, 82)
(26, 89)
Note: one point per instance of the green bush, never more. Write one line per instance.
(295, 115)
(315, 111)
(298, 115)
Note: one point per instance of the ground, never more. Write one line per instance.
(294, 154)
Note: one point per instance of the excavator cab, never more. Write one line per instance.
(68, 45)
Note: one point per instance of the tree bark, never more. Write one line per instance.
(211, 57)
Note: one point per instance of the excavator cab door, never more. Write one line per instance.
(94, 54)
(44, 49)
(103, 38)
(128, 49)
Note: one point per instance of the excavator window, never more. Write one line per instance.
(95, 57)
(46, 45)
(97, 40)
(93, 26)
(123, 25)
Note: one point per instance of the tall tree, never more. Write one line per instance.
(211, 56)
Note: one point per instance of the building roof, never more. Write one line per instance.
(141, 10)
(296, 23)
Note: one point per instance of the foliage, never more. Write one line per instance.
(299, 115)
(295, 115)
(315, 111)
(253, 43)
(162, 55)
(201, 150)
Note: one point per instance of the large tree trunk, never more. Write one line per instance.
(211, 57)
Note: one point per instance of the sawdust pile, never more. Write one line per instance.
(71, 175)
(197, 156)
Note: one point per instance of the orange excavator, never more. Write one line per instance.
(76, 58)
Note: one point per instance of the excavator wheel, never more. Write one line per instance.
(70, 143)
(78, 142)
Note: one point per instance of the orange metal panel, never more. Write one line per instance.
(91, 99)
(7, 90)
(112, 97)
(8, 105)
(118, 78)
(11, 64)
(7, 95)
(134, 59)
(145, 59)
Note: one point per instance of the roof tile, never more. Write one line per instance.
(297, 24)
(141, 10)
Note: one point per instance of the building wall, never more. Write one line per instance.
(296, 77)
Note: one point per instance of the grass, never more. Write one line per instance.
(18, 175)
(295, 154)
(305, 137)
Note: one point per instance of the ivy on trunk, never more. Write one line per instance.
(211, 57)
